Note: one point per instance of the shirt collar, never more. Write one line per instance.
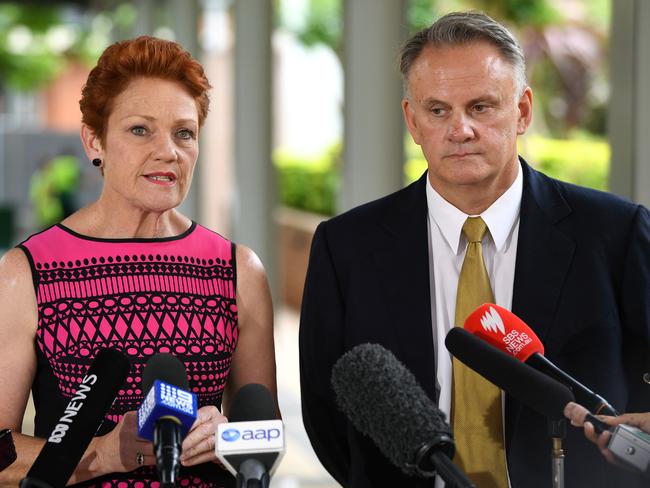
(500, 217)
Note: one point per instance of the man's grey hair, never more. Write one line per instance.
(463, 28)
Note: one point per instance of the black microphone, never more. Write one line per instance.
(79, 422)
(251, 443)
(7, 449)
(167, 413)
(384, 401)
(532, 388)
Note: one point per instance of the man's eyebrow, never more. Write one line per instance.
(484, 98)
(429, 102)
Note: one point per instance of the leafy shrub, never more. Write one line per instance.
(309, 184)
(584, 162)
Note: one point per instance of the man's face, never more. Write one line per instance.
(463, 111)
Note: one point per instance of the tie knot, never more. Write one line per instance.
(474, 229)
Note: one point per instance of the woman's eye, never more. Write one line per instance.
(138, 130)
(185, 134)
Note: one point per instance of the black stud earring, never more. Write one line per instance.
(97, 162)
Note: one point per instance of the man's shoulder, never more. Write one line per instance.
(579, 199)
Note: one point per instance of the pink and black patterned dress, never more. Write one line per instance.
(142, 297)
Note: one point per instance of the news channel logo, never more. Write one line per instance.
(262, 434)
(230, 435)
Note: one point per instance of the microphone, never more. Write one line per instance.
(167, 413)
(507, 332)
(7, 449)
(531, 387)
(384, 401)
(79, 422)
(251, 444)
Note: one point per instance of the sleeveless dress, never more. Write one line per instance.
(141, 297)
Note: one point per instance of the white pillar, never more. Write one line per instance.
(255, 183)
(216, 186)
(373, 154)
(183, 19)
(629, 106)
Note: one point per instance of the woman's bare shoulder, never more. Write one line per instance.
(253, 294)
(14, 265)
(249, 265)
(17, 294)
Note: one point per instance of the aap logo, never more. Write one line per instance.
(230, 435)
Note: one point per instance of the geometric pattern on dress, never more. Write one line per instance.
(140, 303)
(175, 304)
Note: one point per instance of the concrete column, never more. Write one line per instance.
(216, 186)
(373, 154)
(183, 19)
(255, 196)
(629, 106)
(145, 20)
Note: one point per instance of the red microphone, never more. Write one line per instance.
(504, 330)
(507, 332)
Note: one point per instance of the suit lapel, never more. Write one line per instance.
(544, 255)
(402, 258)
(543, 252)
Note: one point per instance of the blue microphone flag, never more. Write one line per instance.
(166, 400)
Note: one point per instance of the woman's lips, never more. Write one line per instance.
(165, 179)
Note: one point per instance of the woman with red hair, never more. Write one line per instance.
(130, 272)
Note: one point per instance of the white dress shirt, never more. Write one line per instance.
(447, 248)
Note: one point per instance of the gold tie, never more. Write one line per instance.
(476, 404)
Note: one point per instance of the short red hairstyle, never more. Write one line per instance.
(125, 61)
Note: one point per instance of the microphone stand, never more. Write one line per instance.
(557, 431)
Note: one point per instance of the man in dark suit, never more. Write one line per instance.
(573, 263)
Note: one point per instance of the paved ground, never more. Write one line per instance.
(299, 468)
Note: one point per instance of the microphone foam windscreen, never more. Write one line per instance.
(532, 388)
(164, 367)
(252, 402)
(384, 401)
(504, 330)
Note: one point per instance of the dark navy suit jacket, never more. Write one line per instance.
(582, 282)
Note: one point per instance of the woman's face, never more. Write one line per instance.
(151, 145)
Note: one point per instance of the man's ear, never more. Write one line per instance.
(91, 143)
(525, 106)
(410, 120)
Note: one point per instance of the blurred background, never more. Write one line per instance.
(305, 120)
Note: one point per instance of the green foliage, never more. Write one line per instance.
(324, 24)
(50, 186)
(584, 162)
(599, 12)
(36, 42)
(519, 12)
(26, 61)
(309, 184)
(37, 18)
(420, 14)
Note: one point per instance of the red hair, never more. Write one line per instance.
(125, 61)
